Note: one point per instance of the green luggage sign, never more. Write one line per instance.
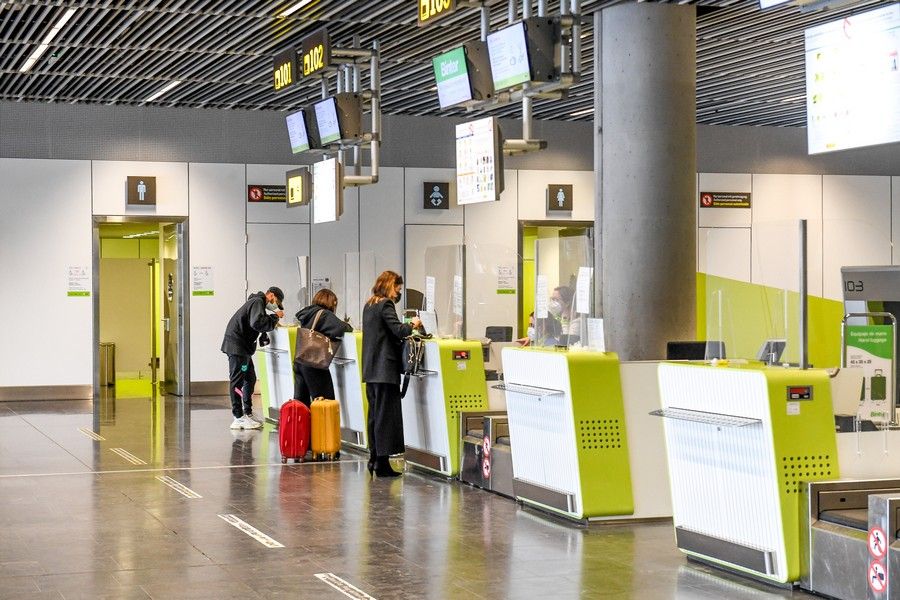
(871, 348)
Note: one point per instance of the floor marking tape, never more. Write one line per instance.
(163, 469)
(128, 456)
(179, 487)
(344, 587)
(92, 434)
(253, 532)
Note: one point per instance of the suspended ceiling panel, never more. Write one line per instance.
(121, 52)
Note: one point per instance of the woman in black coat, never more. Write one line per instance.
(383, 335)
(310, 382)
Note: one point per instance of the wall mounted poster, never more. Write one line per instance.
(871, 348)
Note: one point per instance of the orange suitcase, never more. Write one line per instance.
(326, 429)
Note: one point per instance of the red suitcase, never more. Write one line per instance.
(293, 430)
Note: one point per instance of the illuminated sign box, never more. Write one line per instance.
(339, 119)
(524, 52)
(284, 69)
(315, 53)
(463, 75)
(432, 10)
(479, 161)
(299, 187)
(328, 191)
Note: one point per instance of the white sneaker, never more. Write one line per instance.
(254, 418)
(250, 422)
(238, 423)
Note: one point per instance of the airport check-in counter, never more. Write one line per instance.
(275, 370)
(742, 444)
(350, 391)
(583, 444)
(452, 380)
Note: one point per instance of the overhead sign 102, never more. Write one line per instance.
(316, 52)
(431, 10)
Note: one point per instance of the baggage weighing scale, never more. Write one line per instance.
(569, 438)
(742, 444)
(350, 391)
(452, 380)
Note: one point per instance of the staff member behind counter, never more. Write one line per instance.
(310, 382)
(383, 335)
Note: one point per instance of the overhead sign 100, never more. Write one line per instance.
(429, 10)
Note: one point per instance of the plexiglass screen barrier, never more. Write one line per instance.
(444, 291)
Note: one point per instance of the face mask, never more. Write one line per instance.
(555, 308)
(398, 297)
(272, 307)
(531, 333)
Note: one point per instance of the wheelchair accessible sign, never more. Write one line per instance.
(871, 348)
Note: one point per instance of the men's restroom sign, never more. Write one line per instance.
(141, 191)
(877, 543)
(559, 197)
(437, 195)
(877, 577)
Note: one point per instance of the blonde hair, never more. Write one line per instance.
(384, 287)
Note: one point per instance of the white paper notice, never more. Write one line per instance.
(321, 282)
(429, 292)
(202, 282)
(541, 298)
(78, 281)
(506, 280)
(583, 290)
(457, 295)
(595, 335)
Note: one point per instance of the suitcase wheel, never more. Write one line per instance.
(283, 460)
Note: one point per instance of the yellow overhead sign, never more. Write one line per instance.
(431, 10)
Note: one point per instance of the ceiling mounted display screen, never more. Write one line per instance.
(508, 51)
(327, 121)
(478, 161)
(297, 132)
(328, 191)
(452, 77)
(853, 81)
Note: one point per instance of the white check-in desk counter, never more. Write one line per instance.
(275, 370)
(584, 445)
(350, 391)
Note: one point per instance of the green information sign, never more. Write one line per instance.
(871, 348)
(452, 77)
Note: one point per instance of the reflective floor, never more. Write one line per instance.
(100, 500)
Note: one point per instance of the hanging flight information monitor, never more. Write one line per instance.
(328, 191)
(298, 132)
(463, 75)
(479, 157)
(524, 52)
(339, 118)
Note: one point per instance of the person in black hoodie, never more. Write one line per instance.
(244, 327)
(310, 382)
(383, 335)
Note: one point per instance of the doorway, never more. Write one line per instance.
(529, 233)
(139, 307)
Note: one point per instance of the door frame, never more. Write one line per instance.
(183, 279)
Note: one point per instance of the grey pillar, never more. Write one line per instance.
(646, 176)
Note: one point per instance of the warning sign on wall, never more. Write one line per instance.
(724, 199)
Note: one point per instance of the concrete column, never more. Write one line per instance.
(646, 176)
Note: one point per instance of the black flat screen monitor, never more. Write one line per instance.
(771, 351)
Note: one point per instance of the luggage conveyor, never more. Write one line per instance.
(486, 451)
(452, 380)
(350, 391)
(851, 549)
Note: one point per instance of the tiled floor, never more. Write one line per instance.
(78, 520)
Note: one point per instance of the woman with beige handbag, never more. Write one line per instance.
(320, 333)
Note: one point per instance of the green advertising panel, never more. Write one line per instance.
(871, 348)
(452, 78)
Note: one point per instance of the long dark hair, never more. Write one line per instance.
(384, 287)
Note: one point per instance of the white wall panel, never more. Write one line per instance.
(45, 227)
(272, 251)
(491, 232)
(331, 241)
(856, 227)
(216, 232)
(779, 202)
(271, 212)
(724, 252)
(895, 219)
(723, 182)
(110, 188)
(418, 239)
(533, 195)
(381, 220)
(414, 198)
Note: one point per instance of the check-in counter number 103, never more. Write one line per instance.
(283, 76)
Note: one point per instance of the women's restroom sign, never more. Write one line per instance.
(871, 348)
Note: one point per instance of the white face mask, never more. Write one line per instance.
(555, 308)
(272, 307)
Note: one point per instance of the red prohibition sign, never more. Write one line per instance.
(877, 577)
(256, 193)
(706, 199)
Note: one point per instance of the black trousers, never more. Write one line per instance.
(241, 381)
(385, 424)
(310, 383)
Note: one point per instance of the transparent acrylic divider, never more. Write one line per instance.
(444, 289)
(564, 293)
(359, 276)
(491, 289)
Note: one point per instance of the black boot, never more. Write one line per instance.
(383, 468)
(371, 464)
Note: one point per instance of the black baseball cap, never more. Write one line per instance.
(278, 294)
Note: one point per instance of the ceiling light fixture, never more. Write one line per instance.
(289, 11)
(171, 85)
(45, 43)
(579, 113)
